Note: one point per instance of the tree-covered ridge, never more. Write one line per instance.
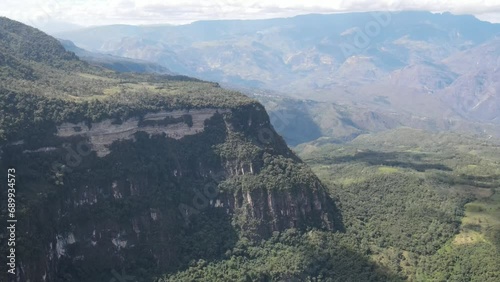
(31, 44)
(42, 85)
(22, 111)
(35, 63)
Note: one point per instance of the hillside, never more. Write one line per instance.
(142, 173)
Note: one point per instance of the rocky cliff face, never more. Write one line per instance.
(108, 194)
(277, 211)
(174, 124)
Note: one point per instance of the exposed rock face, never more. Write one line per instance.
(151, 184)
(280, 210)
(175, 124)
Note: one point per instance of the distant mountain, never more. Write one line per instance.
(477, 90)
(311, 48)
(430, 70)
(116, 63)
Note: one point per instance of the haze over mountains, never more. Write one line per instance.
(116, 63)
(364, 71)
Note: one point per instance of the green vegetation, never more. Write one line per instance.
(289, 256)
(476, 262)
(426, 205)
(414, 206)
(24, 111)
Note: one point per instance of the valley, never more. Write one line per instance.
(425, 205)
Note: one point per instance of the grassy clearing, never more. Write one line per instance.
(484, 212)
(469, 237)
(388, 169)
(97, 77)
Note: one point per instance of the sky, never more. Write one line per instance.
(60, 15)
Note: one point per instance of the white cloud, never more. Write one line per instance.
(100, 12)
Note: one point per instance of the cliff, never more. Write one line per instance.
(142, 173)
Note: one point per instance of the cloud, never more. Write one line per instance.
(101, 12)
